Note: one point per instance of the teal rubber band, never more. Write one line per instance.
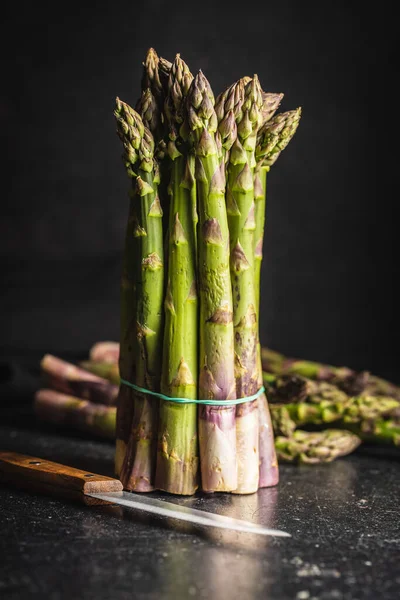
(191, 401)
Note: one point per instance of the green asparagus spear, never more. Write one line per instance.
(107, 351)
(149, 111)
(68, 378)
(229, 111)
(107, 370)
(271, 102)
(289, 389)
(351, 382)
(240, 210)
(137, 472)
(316, 447)
(368, 408)
(68, 411)
(275, 130)
(217, 434)
(177, 456)
(376, 386)
(153, 78)
(149, 107)
(381, 430)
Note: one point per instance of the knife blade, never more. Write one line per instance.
(186, 513)
(41, 475)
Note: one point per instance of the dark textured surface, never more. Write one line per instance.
(343, 518)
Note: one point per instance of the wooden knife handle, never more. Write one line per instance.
(44, 476)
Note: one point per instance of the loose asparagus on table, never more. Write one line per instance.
(107, 370)
(138, 467)
(316, 447)
(384, 429)
(287, 417)
(177, 455)
(295, 388)
(104, 352)
(70, 379)
(69, 411)
(377, 386)
(351, 382)
(217, 434)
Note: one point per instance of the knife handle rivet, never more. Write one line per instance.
(89, 475)
(35, 462)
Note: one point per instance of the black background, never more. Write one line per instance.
(330, 257)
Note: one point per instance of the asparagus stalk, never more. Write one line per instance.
(177, 455)
(107, 370)
(369, 408)
(289, 389)
(70, 379)
(316, 447)
(131, 139)
(351, 382)
(149, 107)
(270, 104)
(149, 111)
(240, 211)
(381, 430)
(69, 411)
(376, 386)
(126, 362)
(154, 77)
(137, 471)
(217, 435)
(274, 131)
(268, 475)
(229, 111)
(104, 352)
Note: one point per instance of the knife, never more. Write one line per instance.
(40, 475)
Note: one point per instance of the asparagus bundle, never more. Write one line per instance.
(204, 156)
(70, 379)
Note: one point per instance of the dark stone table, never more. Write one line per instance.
(343, 517)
